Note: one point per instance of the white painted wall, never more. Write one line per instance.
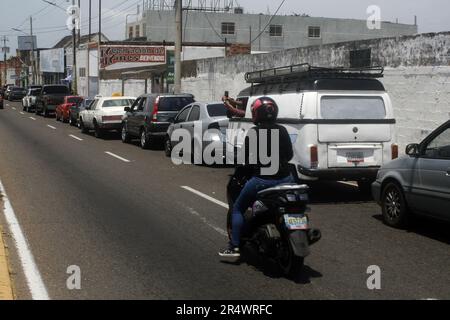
(133, 88)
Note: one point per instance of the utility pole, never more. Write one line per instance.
(178, 44)
(99, 52)
(74, 49)
(33, 64)
(5, 51)
(88, 50)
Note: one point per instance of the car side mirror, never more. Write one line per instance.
(127, 109)
(413, 150)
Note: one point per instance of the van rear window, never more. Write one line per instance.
(174, 104)
(349, 108)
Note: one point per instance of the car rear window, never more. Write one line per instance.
(352, 108)
(35, 92)
(217, 110)
(17, 89)
(56, 90)
(174, 104)
(117, 103)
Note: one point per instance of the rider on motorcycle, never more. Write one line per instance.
(265, 114)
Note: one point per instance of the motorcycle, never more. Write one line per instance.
(278, 227)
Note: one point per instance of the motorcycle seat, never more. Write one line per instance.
(283, 188)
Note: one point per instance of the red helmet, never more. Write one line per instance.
(264, 110)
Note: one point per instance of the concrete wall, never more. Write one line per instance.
(133, 88)
(417, 75)
(207, 27)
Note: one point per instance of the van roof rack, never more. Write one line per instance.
(306, 71)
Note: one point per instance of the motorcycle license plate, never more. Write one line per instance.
(296, 221)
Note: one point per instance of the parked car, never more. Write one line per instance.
(63, 110)
(151, 115)
(209, 116)
(75, 109)
(1, 102)
(50, 97)
(341, 121)
(29, 101)
(16, 93)
(104, 114)
(7, 91)
(418, 183)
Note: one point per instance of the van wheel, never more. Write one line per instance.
(394, 207)
(98, 131)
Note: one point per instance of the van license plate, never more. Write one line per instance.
(296, 221)
(355, 157)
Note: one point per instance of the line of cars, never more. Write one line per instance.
(341, 123)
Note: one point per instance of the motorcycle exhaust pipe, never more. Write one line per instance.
(314, 236)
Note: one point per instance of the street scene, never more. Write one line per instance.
(224, 151)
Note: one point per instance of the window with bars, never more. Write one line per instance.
(130, 33)
(276, 30)
(138, 31)
(228, 28)
(314, 32)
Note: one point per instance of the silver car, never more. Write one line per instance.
(418, 183)
(211, 121)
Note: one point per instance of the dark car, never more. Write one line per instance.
(1, 102)
(418, 183)
(51, 96)
(151, 115)
(75, 110)
(16, 93)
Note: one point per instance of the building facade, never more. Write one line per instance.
(265, 32)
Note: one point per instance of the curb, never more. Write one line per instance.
(6, 291)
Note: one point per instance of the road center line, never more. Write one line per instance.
(206, 222)
(14, 108)
(51, 127)
(21, 112)
(33, 277)
(204, 196)
(117, 157)
(34, 119)
(75, 137)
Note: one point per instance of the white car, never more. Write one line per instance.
(341, 121)
(29, 101)
(104, 114)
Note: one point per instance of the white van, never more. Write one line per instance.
(341, 121)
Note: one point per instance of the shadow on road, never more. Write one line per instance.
(430, 228)
(336, 193)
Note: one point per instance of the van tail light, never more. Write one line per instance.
(154, 117)
(314, 153)
(394, 151)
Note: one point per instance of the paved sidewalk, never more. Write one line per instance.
(6, 292)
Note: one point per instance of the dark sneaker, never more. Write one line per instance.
(230, 253)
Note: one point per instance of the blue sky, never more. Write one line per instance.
(49, 22)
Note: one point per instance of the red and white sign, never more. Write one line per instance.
(128, 56)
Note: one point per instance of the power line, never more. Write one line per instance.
(270, 21)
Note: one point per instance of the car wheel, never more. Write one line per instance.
(83, 127)
(394, 206)
(125, 136)
(168, 147)
(57, 117)
(145, 141)
(98, 131)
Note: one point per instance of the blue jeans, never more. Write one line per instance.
(245, 200)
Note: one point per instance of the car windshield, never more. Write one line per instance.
(118, 103)
(74, 100)
(174, 104)
(17, 89)
(217, 110)
(56, 90)
(353, 108)
(34, 92)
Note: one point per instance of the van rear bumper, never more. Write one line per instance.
(336, 174)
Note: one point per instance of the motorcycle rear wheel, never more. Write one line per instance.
(290, 264)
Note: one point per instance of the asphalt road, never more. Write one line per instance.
(136, 233)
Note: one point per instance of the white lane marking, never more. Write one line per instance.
(7, 105)
(205, 196)
(206, 222)
(21, 112)
(75, 137)
(117, 157)
(34, 119)
(33, 277)
(51, 127)
(353, 184)
(14, 108)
